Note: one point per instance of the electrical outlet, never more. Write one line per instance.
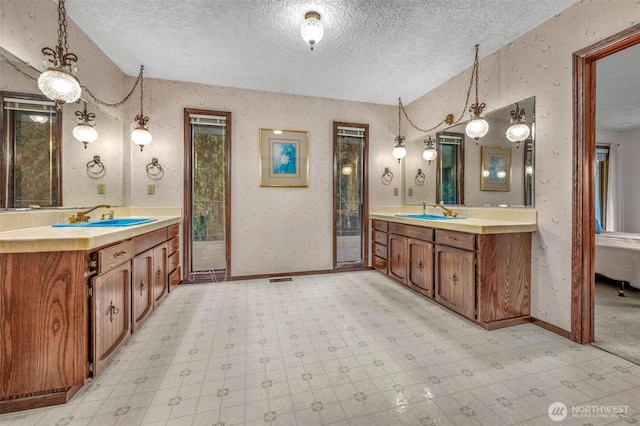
(396, 192)
(410, 192)
(151, 189)
(102, 188)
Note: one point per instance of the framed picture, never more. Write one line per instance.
(495, 169)
(284, 158)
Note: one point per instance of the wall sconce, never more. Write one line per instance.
(312, 29)
(420, 178)
(154, 169)
(84, 131)
(58, 79)
(347, 170)
(386, 177)
(399, 151)
(429, 152)
(518, 131)
(141, 135)
(478, 126)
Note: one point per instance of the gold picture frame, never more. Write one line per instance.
(495, 169)
(284, 158)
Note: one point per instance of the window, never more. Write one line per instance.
(450, 168)
(601, 183)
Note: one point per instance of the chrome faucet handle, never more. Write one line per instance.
(424, 207)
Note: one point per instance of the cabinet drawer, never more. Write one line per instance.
(174, 261)
(380, 264)
(174, 278)
(113, 256)
(380, 251)
(417, 232)
(380, 225)
(173, 230)
(174, 245)
(151, 239)
(380, 237)
(456, 239)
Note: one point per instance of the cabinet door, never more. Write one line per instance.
(455, 279)
(398, 258)
(420, 276)
(110, 314)
(160, 273)
(141, 288)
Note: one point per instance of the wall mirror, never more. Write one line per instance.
(54, 168)
(422, 181)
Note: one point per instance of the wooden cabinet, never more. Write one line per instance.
(173, 260)
(485, 277)
(160, 284)
(141, 288)
(379, 245)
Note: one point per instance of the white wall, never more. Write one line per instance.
(628, 157)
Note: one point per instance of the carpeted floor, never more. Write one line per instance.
(617, 320)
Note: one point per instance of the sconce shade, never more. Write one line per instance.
(312, 29)
(58, 85)
(39, 118)
(429, 154)
(518, 132)
(477, 128)
(85, 133)
(141, 136)
(399, 152)
(347, 170)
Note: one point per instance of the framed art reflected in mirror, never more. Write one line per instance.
(496, 169)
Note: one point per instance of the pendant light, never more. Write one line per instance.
(478, 126)
(312, 29)
(58, 81)
(84, 131)
(399, 151)
(430, 152)
(518, 131)
(141, 135)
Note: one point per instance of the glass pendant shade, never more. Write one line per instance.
(347, 170)
(141, 137)
(518, 132)
(85, 133)
(429, 154)
(399, 152)
(477, 128)
(58, 85)
(39, 118)
(312, 29)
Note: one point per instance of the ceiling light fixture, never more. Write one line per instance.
(84, 131)
(478, 126)
(312, 29)
(141, 135)
(430, 152)
(58, 80)
(399, 151)
(518, 131)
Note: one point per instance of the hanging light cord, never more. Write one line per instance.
(62, 27)
(474, 75)
(126, 98)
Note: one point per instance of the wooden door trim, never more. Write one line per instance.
(583, 227)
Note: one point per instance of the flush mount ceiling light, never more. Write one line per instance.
(58, 80)
(141, 135)
(399, 151)
(312, 29)
(430, 152)
(518, 131)
(39, 118)
(478, 126)
(84, 131)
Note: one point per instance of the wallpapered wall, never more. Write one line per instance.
(281, 230)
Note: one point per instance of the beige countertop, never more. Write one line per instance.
(472, 225)
(48, 238)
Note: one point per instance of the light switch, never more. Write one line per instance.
(396, 192)
(151, 189)
(102, 188)
(410, 192)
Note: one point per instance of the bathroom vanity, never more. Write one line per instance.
(478, 268)
(71, 297)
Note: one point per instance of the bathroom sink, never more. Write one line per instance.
(121, 221)
(429, 216)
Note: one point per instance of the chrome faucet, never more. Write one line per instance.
(82, 217)
(447, 212)
(424, 207)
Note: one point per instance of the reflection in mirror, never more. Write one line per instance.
(522, 188)
(450, 168)
(75, 187)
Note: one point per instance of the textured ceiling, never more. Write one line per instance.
(372, 50)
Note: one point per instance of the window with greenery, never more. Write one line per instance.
(450, 168)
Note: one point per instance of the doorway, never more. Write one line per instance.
(583, 229)
(207, 195)
(350, 195)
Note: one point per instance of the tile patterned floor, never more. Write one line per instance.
(341, 349)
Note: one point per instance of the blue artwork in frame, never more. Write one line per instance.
(284, 158)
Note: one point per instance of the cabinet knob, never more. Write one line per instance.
(113, 310)
(120, 253)
(142, 287)
(454, 278)
(454, 238)
(420, 266)
(159, 274)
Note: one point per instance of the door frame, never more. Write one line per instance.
(187, 223)
(365, 199)
(583, 203)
